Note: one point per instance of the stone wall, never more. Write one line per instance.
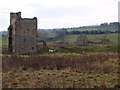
(24, 32)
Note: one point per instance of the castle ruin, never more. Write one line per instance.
(22, 34)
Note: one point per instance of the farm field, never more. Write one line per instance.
(71, 39)
(111, 28)
(69, 67)
(112, 37)
(59, 79)
(3, 41)
(90, 70)
(71, 44)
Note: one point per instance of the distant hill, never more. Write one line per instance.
(93, 29)
(103, 27)
(112, 27)
(61, 33)
(3, 32)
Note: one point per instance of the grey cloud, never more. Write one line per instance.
(59, 12)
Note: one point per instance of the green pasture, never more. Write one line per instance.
(94, 28)
(94, 37)
(50, 35)
(3, 41)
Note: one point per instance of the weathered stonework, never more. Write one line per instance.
(22, 34)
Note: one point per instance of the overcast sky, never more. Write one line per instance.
(60, 13)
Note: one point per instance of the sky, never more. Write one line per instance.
(60, 13)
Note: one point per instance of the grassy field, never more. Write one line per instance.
(3, 41)
(73, 38)
(50, 35)
(91, 70)
(77, 49)
(59, 79)
(69, 67)
(110, 28)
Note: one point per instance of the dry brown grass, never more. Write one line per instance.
(65, 78)
(98, 62)
(93, 70)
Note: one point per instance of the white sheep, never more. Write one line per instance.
(51, 51)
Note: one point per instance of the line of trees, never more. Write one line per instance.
(91, 32)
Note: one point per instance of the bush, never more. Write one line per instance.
(42, 50)
(82, 63)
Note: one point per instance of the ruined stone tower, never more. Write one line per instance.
(22, 34)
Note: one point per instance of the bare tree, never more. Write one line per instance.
(82, 40)
(104, 39)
